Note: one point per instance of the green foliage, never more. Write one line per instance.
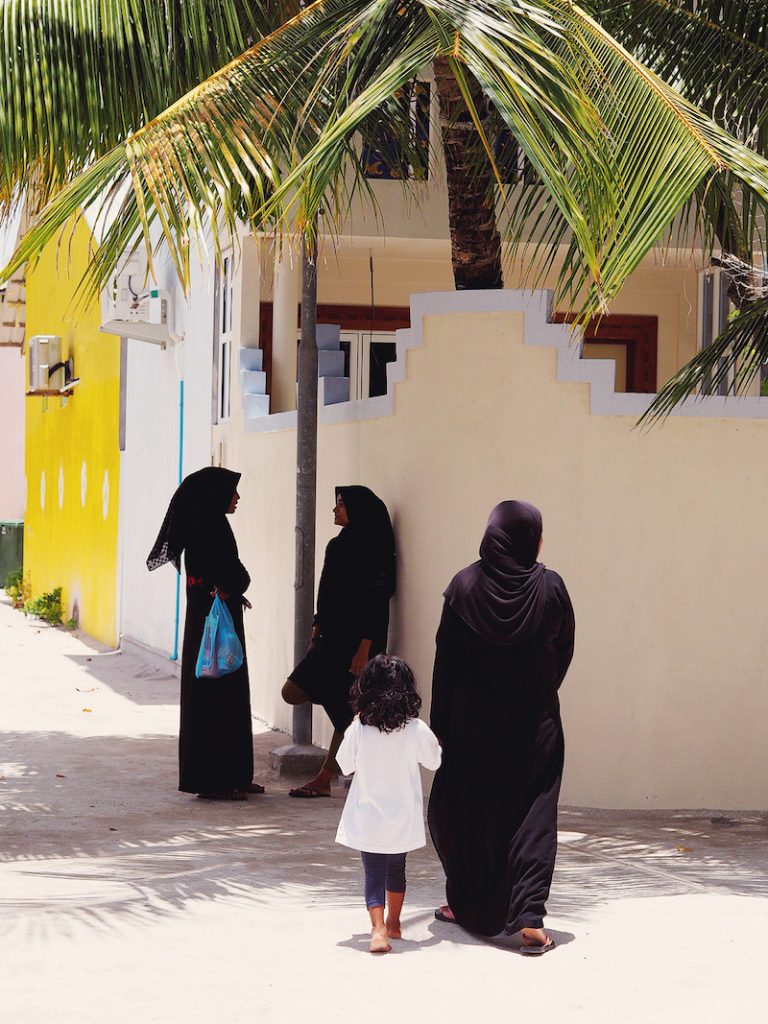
(17, 588)
(46, 607)
(13, 579)
(128, 61)
(270, 136)
(715, 53)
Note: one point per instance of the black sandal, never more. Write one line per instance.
(537, 950)
(307, 793)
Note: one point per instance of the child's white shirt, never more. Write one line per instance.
(384, 810)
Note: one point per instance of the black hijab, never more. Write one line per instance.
(200, 503)
(369, 533)
(502, 597)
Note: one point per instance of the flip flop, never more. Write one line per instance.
(537, 950)
(440, 916)
(252, 787)
(307, 793)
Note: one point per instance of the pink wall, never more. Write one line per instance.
(11, 434)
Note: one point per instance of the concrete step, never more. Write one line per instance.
(328, 336)
(335, 390)
(255, 406)
(330, 363)
(251, 359)
(253, 382)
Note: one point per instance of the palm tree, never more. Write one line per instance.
(269, 138)
(715, 53)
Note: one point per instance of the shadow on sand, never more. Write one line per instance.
(93, 829)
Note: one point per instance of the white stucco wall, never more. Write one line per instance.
(657, 535)
(150, 463)
(11, 434)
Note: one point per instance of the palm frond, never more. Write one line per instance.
(728, 366)
(664, 148)
(713, 51)
(269, 137)
(76, 79)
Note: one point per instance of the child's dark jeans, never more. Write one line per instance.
(383, 872)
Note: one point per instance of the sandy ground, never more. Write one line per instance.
(124, 901)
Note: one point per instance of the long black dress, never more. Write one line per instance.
(215, 736)
(356, 584)
(493, 806)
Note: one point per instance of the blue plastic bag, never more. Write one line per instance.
(220, 650)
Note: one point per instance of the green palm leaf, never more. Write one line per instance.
(271, 136)
(713, 51)
(77, 78)
(728, 365)
(716, 53)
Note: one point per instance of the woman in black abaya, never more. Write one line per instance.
(504, 644)
(352, 619)
(215, 737)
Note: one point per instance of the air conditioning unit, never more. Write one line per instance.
(45, 352)
(139, 310)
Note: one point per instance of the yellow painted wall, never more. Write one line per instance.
(72, 450)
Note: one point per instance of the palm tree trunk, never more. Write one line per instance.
(475, 240)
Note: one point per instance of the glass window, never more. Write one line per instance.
(224, 359)
(384, 155)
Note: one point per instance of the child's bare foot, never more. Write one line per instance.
(394, 909)
(379, 943)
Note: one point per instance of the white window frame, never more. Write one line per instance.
(224, 338)
(360, 358)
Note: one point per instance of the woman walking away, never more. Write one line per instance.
(215, 738)
(352, 620)
(503, 647)
(384, 813)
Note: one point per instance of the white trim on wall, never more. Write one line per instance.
(537, 309)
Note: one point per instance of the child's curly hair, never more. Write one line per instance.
(384, 694)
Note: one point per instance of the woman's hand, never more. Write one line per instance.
(361, 657)
(222, 594)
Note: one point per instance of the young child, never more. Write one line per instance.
(384, 813)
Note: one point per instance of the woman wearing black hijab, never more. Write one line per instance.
(352, 619)
(215, 737)
(504, 644)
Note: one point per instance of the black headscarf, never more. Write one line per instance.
(502, 597)
(200, 501)
(370, 532)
